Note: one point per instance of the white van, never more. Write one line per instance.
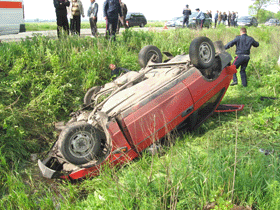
(11, 17)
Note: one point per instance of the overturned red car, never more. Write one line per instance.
(124, 117)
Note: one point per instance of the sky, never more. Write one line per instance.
(152, 9)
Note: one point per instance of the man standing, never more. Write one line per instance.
(224, 18)
(76, 10)
(122, 21)
(243, 45)
(186, 12)
(92, 14)
(229, 18)
(216, 18)
(112, 11)
(61, 15)
(233, 17)
(200, 18)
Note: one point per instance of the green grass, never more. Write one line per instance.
(45, 26)
(43, 80)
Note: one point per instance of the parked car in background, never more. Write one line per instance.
(171, 23)
(192, 21)
(272, 22)
(135, 19)
(247, 21)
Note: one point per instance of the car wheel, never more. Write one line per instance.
(89, 94)
(80, 143)
(202, 52)
(146, 54)
(141, 25)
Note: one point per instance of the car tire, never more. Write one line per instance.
(146, 53)
(141, 25)
(202, 52)
(89, 94)
(80, 143)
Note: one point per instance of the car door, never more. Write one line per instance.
(158, 114)
(206, 21)
(206, 95)
(133, 21)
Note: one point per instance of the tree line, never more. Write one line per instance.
(258, 9)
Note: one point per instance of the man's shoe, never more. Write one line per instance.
(233, 83)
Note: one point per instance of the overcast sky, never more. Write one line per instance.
(152, 9)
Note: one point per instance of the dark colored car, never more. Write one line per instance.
(135, 19)
(192, 21)
(247, 21)
(272, 22)
(121, 119)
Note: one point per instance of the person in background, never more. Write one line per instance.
(216, 18)
(186, 12)
(61, 16)
(92, 14)
(235, 22)
(209, 13)
(75, 10)
(122, 21)
(224, 18)
(243, 45)
(233, 17)
(111, 12)
(116, 71)
(200, 18)
(220, 18)
(229, 18)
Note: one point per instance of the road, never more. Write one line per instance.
(53, 33)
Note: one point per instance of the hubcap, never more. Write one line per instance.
(205, 52)
(81, 144)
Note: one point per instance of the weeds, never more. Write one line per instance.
(43, 80)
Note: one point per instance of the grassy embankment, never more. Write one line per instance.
(52, 25)
(43, 80)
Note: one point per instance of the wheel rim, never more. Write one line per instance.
(205, 52)
(81, 144)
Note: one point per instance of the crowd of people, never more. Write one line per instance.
(229, 18)
(114, 12)
(243, 42)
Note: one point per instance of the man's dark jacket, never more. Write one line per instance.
(243, 44)
(61, 8)
(112, 9)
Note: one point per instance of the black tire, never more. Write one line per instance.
(146, 53)
(80, 142)
(141, 25)
(89, 94)
(202, 52)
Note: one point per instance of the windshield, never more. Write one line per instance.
(245, 18)
(176, 18)
(180, 19)
(193, 15)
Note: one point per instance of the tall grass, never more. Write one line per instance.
(43, 80)
(45, 26)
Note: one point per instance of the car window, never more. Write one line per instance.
(244, 18)
(193, 15)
